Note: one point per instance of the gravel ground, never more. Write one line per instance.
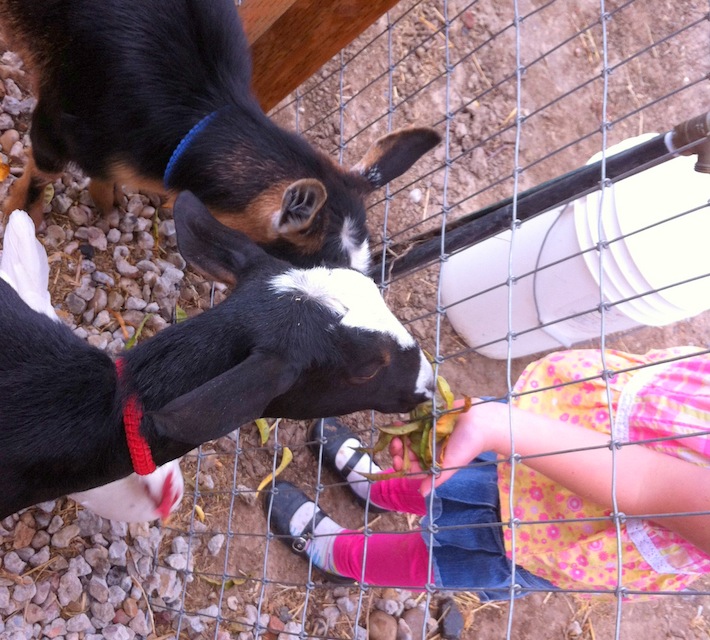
(67, 573)
(72, 576)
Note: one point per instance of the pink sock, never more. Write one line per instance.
(393, 559)
(399, 494)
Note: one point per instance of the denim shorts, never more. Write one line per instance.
(468, 549)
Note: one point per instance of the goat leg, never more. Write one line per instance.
(27, 191)
(103, 193)
(46, 160)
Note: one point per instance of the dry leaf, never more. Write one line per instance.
(285, 461)
(48, 193)
(263, 426)
(199, 513)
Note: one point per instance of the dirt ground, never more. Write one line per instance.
(659, 60)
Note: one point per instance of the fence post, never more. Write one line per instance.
(292, 39)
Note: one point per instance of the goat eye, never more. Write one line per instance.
(367, 373)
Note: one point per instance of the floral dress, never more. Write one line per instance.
(571, 542)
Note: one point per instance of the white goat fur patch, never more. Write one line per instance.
(425, 379)
(359, 253)
(350, 294)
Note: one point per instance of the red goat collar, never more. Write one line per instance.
(139, 449)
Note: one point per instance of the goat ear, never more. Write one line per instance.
(215, 250)
(226, 402)
(302, 200)
(390, 156)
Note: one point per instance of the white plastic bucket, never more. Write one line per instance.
(651, 250)
(560, 276)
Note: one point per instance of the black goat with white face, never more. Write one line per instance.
(288, 342)
(156, 94)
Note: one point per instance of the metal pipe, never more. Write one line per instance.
(693, 137)
(689, 137)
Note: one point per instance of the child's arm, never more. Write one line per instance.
(647, 481)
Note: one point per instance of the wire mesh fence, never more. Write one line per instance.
(522, 93)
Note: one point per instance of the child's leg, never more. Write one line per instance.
(340, 449)
(397, 559)
(392, 559)
(399, 494)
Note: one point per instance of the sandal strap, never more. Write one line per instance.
(299, 541)
(308, 530)
(331, 435)
(349, 466)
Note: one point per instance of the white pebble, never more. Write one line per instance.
(70, 589)
(177, 561)
(215, 544)
(64, 536)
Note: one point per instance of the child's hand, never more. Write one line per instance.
(475, 431)
(396, 449)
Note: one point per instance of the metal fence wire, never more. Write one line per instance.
(523, 92)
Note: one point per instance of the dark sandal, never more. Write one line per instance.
(330, 434)
(285, 499)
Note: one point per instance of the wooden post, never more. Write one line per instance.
(258, 16)
(292, 39)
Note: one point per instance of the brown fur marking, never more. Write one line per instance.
(258, 220)
(20, 196)
(102, 193)
(122, 174)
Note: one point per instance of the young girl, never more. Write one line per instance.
(551, 515)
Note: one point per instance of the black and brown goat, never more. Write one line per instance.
(156, 94)
(290, 342)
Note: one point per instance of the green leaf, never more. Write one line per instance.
(132, 342)
(401, 429)
(445, 391)
(384, 475)
(228, 584)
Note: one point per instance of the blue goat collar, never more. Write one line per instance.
(184, 144)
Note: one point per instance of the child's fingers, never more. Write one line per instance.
(463, 445)
(430, 481)
(414, 466)
(396, 448)
(398, 452)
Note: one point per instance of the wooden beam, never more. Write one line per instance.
(258, 16)
(301, 39)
